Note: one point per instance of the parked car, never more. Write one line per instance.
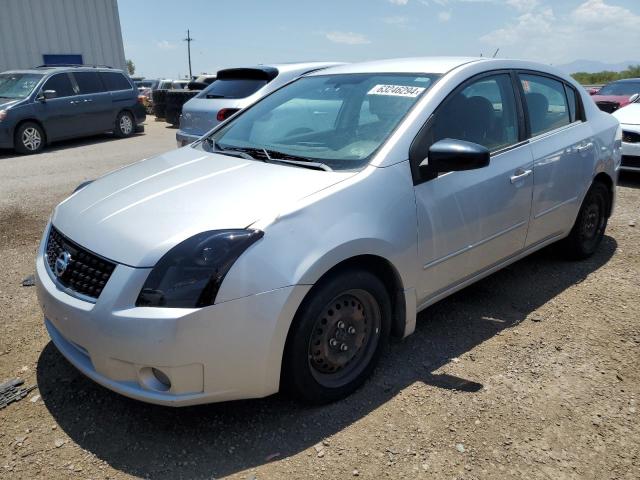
(179, 84)
(201, 82)
(46, 104)
(146, 84)
(629, 118)
(616, 94)
(285, 247)
(234, 89)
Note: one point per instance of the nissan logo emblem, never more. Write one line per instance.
(62, 263)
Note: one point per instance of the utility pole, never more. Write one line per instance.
(189, 40)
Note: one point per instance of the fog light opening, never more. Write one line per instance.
(155, 379)
(162, 378)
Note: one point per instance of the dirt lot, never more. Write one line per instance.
(531, 373)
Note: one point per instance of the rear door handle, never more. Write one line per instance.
(520, 174)
(87, 100)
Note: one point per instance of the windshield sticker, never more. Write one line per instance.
(396, 90)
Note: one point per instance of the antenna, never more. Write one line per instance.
(189, 40)
(496, 53)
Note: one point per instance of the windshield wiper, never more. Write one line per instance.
(268, 156)
(281, 157)
(232, 152)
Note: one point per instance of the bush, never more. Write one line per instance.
(605, 77)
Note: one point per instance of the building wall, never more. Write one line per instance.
(31, 28)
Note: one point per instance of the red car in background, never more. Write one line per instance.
(616, 94)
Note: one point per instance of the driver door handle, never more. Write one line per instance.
(520, 174)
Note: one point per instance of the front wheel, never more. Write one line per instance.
(125, 125)
(29, 138)
(588, 231)
(337, 337)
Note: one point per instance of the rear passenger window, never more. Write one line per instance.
(546, 103)
(484, 112)
(115, 81)
(61, 83)
(233, 88)
(88, 82)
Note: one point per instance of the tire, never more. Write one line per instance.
(337, 337)
(29, 138)
(125, 125)
(591, 223)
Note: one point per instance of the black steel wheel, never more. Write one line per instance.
(337, 336)
(591, 223)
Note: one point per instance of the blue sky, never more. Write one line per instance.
(242, 32)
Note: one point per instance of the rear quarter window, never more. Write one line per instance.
(114, 81)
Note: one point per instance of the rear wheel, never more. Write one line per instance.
(588, 231)
(29, 138)
(337, 337)
(125, 125)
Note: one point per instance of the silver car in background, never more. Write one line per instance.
(233, 90)
(284, 248)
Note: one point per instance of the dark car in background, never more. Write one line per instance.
(47, 104)
(616, 94)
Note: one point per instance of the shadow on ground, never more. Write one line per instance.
(221, 439)
(66, 144)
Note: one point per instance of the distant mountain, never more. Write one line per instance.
(593, 66)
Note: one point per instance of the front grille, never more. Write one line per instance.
(608, 107)
(86, 273)
(631, 162)
(630, 137)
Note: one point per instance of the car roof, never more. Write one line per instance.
(405, 65)
(55, 69)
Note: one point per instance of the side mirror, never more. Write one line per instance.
(634, 98)
(450, 155)
(47, 95)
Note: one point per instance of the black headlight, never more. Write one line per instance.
(190, 274)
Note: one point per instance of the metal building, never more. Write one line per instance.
(36, 32)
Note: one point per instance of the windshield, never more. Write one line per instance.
(18, 85)
(336, 120)
(620, 88)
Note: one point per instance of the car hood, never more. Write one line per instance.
(136, 214)
(629, 115)
(621, 99)
(8, 102)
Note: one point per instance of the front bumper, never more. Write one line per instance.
(228, 351)
(631, 150)
(6, 136)
(183, 139)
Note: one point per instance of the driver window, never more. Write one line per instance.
(61, 84)
(484, 112)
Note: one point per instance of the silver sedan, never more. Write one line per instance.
(283, 249)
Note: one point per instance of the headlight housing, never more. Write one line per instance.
(3, 115)
(190, 274)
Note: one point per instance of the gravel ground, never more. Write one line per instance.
(530, 373)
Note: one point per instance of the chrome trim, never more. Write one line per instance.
(474, 277)
(61, 287)
(473, 245)
(555, 207)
